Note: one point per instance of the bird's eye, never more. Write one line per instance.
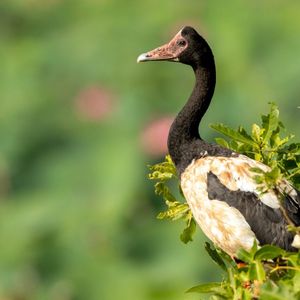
(181, 43)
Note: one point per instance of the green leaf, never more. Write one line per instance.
(268, 252)
(215, 256)
(163, 171)
(296, 281)
(271, 291)
(188, 232)
(160, 174)
(244, 133)
(204, 288)
(244, 256)
(253, 249)
(163, 190)
(246, 294)
(293, 148)
(238, 136)
(270, 122)
(175, 211)
(256, 132)
(257, 170)
(274, 173)
(256, 271)
(234, 145)
(222, 142)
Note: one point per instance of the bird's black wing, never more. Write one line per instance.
(292, 207)
(268, 224)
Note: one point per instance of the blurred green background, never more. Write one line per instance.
(80, 120)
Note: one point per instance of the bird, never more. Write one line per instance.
(218, 183)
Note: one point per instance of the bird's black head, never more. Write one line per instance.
(187, 47)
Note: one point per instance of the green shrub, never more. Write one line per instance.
(269, 272)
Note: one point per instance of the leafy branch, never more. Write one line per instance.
(165, 175)
(268, 144)
(269, 273)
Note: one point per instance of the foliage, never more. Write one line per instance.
(266, 144)
(162, 173)
(269, 272)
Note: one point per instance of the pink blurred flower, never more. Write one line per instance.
(95, 103)
(154, 136)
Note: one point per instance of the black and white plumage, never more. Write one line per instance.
(218, 183)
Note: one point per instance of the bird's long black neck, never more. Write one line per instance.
(184, 129)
